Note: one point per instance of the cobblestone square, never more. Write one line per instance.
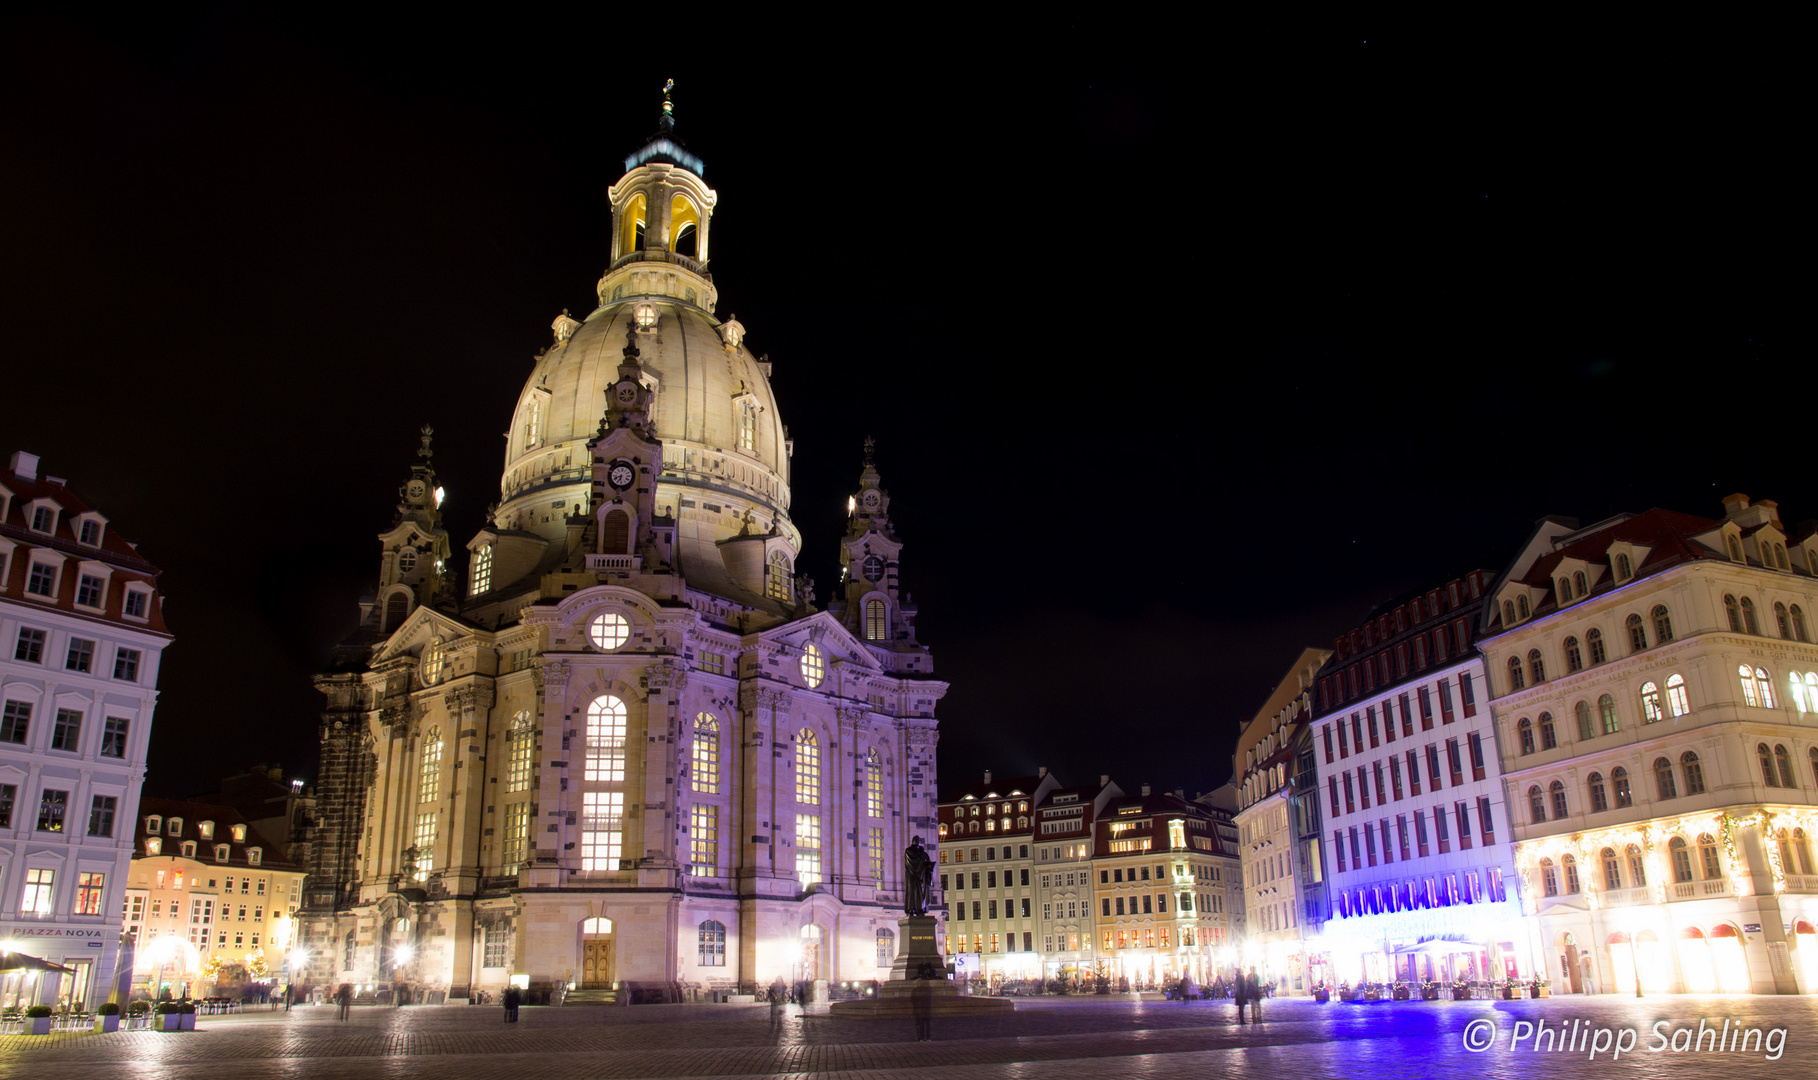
(1045, 1037)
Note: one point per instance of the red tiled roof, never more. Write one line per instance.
(126, 564)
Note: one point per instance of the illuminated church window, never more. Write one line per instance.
(608, 630)
(606, 739)
(814, 666)
(876, 625)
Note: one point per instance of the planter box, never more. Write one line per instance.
(1461, 995)
(1347, 995)
(167, 1021)
(1540, 991)
(189, 1021)
(1401, 994)
(1372, 995)
(1321, 996)
(1508, 993)
(1429, 995)
(105, 1024)
(38, 1025)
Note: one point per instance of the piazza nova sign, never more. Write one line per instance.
(94, 937)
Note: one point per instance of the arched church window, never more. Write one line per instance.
(615, 533)
(397, 606)
(748, 425)
(482, 570)
(684, 226)
(874, 784)
(521, 753)
(608, 630)
(407, 560)
(631, 238)
(429, 780)
(705, 755)
(807, 768)
(606, 739)
(813, 665)
(876, 624)
(432, 662)
(533, 422)
(776, 582)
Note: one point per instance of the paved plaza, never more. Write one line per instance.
(1045, 1038)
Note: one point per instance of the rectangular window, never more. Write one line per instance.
(1401, 834)
(517, 838)
(1120, 905)
(8, 793)
(1350, 800)
(89, 590)
(496, 952)
(1395, 777)
(101, 815)
(40, 892)
(703, 840)
(1356, 854)
(135, 603)
(711, 662)
(1388, 720)
(113, 737)
(1357, 732)
(43, 580)
(425, 841)
(1344, 741)
(1439, 829)
(51, 808)
(30, 647)
(81, 656)
(1380, 796)
(807, 849)
(1369, 831)
(877, 857)
(1477, 766)
(1464, 826)
(1486, 820)
(66, 731)
(1413, 773)
(1363, 786)
(1466, 696)
(602, 829)
(1445, 701)
(1407, 717)
(1455, 762)
(1326, 734)
(1433, 766)
(89, 890)
(1107, 908)
(1426, 709)
(1388, 855)
(1332, 789)
(126, 664)
(1370, 722)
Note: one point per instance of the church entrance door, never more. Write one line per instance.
(596, 964)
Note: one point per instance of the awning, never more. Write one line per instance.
(1439, 947)
(18, 961)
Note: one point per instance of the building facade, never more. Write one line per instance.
(992, 929)
(1656, 697)
(1161, 870)
(82, 631)
(1418, 855)
(209, 901)
(1066, 825)
(1273, 876)
(626, 754)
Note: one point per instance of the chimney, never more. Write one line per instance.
(1145, 791)
(1104, 779)
(1773, 511)
(25, 466)
(987, 776)
(1180, 793)
(1041, 770)
(1734, 504)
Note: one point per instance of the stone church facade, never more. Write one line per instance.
(626, 755)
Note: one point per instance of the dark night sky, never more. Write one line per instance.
(1175, 365)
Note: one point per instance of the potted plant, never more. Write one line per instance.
(1429, 991)
(107, 1017)
(166, 1017)
(1540, 988)
(1372, 991)
(1461, 990)
(186, 1016)
(1321, 993)
(38, 1020)
(1345, 993)
(1508, 988)
(1401, 990)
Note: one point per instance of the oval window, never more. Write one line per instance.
(608, 630)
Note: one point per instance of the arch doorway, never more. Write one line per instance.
(596, 954)
(1726, 957)
(811, 953)
(1695, 961)
(1805, 952)
(1569, 970)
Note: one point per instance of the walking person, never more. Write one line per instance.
(1240, 993)
(1255, 986)
(344, 998)
(513, 998)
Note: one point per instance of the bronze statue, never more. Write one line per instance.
(918, 878)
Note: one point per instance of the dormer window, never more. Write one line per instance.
(91, 590)
(253, 855)
(41, 580)
(153, 822)
(1565, 591)
(239, 834)
(88, 532)
(1508, 612)
(482, 570)
(154, 845)
(221, 853)
(44, 518)
(776, 582)
(136, 603)
(1521, 606)
(1624, 569)
(205, 829)
(1578, 583)
(433, 661)
(1735, 548)
(747, 425)
(174, 826)
(189, 849)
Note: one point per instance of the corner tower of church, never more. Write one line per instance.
(626, 753)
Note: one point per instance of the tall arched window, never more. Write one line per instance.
(482, 570)
(1508, 613)
(1785, 761)
(876, 626)
(605, 739)
(1537, 806)
(1606, 712)
(533, 415)
(1515, 680)
(1733, 612)
(1624, 568)
(807, 768)
(1578, 582)
(1582, 713)
(1735, 547)
(1766, 758)
(1565, 591)
(1812, 755)
(704, 756)
(1784, 843)
(1549, 739)
(1600, 798)
(397, 606)
(1569, 864)
(1780, 620)
(1524, 733)
(1650, 703)
(1682, 859)
(1556, 792)
(1749, 623)
(1549, 877)
(520, 753)
(1664, 784)
(1798, 618)
(1678, 703)
(1764, 684)
(886, 946)
(1537, 667)
(1521, 605)
(748, 425)
(813, 665)
(1593, 640)
(1638, 634)
(1619, 782)
(776, 582)
(1663, 625)
(1802, 847)
(429, 774)
(712, 947)
(1638, 872)
(874, 784)
(1694, 773)
(1612, 870)
(1707, 857)
(615, 533)
(1780, 559)
(1573, 657)
(1746, 674)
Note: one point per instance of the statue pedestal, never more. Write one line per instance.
(918, 984)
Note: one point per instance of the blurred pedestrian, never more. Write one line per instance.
(513, 998)
(344, 998)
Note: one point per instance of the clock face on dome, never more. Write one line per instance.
(620, 474)
(870, 500)
(627, 393)
(416, 489)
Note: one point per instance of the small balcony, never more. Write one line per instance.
(614, 562)
(1802, 883)
(1627, 897)
(1699, 890)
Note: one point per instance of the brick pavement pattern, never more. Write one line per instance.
(1043, 1039)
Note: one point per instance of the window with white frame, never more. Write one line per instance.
(520, 754)
(602, 829)
(704, 755)
(605, 750)
(807, 768)
(704, 840)
(517, 837)
(136, 603)
(42, 578)
(40, 892)
(429, 774)
(807, 849)
(496, 952)
(126, 664)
